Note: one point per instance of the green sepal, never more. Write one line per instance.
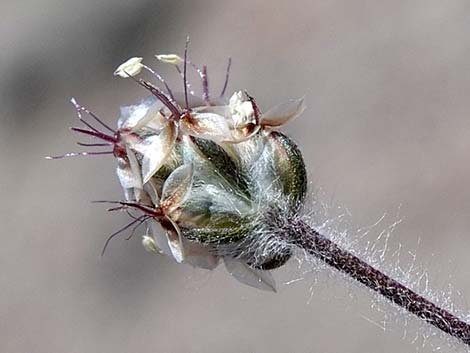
(289, 163)
(223, 165)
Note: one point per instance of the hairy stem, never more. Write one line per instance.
(312, 242)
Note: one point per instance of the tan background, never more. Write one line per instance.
(388, 123)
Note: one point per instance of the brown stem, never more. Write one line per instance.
(312, 242)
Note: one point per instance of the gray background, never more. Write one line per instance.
(387, 129)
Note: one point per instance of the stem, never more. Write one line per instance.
(161, 96)
(319, 246)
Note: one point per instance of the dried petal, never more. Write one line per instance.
(128, 171)
(237, 98)
(155, 149)
(151, 189)
(283, 113)
(208, 126)
(146, 113)
(150, 245)
(241, 110)
(175, 242)
(249, 276)
(160, 237)
(176, 188)
(198, 255)
(129, 194)
(131, 67)
(222, 110)
(242, 134)
(170, 58)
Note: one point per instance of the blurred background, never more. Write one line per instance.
(387, 131)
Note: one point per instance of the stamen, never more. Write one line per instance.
(78, 154)
(137, 226)
(118, 232)
(130, 214)
(161, 96)
(118, 208)
(97, 134)
(79, 114)
(87, 124)
(160, 78)
(94, 144)
(198, 70)
(106, 201)
(188, 85)
(185, 80)
(90, 113)
(227, 75)
(148, 210)
(157, 92)
(205, 85)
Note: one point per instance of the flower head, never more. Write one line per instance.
(215, 180)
